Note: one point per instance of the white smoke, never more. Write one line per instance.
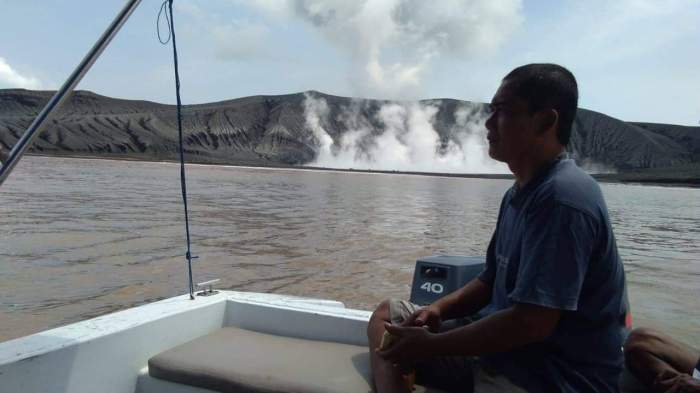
(594, 167)
(314, 111)
(393, 43)
(408, 140)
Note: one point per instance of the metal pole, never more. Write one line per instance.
(183, 183)
(57, 100)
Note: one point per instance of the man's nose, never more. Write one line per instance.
(489, 122)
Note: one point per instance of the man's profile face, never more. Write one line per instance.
(511, 127)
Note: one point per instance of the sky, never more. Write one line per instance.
(636, 60)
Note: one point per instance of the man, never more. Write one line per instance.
(662, 363)
(552, 289)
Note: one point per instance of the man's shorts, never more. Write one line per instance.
(452, 373)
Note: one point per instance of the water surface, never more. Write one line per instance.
(81, 238)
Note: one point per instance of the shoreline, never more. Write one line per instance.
(630, 178)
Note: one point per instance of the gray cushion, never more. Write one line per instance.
(237, 360)
(147, 384)
(242, 361)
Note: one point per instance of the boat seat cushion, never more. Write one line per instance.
(238, 360)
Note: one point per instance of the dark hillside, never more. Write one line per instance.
(273, 130)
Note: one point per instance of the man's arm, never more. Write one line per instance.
(465, 301)
(501, 331)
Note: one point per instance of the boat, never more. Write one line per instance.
(111, 353)
(208, 341)
(223, 341)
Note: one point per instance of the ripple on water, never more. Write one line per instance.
(86, 237)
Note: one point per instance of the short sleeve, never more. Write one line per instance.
(556, 251)
(488, 275)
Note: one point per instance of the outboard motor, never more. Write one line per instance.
(439, 275)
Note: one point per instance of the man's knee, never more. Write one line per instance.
(641, 339)
(642, 343)
(380, 315)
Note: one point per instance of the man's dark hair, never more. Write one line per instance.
(548, 86)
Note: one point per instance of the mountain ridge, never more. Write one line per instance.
(274, 130)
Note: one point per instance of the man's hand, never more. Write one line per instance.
(427, 316)
(413, 344)
(675, 382)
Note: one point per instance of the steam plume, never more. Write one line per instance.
(393, 43)
(401, 136)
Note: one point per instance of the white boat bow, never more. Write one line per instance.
(107, 353)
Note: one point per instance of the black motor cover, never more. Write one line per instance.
(438, 275)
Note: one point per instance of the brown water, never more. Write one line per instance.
(80, 238)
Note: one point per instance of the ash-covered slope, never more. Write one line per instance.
(632, 146)
(272, 130)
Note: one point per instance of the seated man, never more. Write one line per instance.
(552, 290)
(661, 363)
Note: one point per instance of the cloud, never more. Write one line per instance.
(633, 58)
(11, 78)
(626, 17)
(189, 8)
(228, 40)
(239, 40)
(608, 34)
(393, 43)
(274, 8)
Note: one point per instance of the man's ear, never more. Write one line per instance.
(547, 119)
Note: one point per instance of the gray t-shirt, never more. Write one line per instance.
(553, 246)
